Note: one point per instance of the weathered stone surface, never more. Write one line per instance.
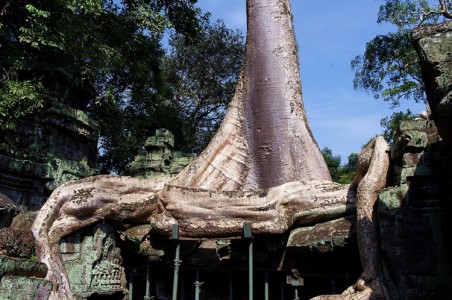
(24, 220)
(93, 262)
(21, 267)
(17, 242)
(158, 158)
(49, 148)
(138, 240)
(22, 279)
(139, 232)
(415, 219)
(24, 288)
(434, 47)
(408, 152)
(323, 237)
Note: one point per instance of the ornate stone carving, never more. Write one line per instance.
(93, 262)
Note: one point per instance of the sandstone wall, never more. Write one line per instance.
(50, 147)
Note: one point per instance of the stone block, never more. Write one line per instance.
(21, 267)
(416, 125)
(322, 237)
(417, 139)
(410, 160)
(24, 288)
(93, 262)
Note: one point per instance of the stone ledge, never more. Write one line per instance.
(323, 237)
(21, 267)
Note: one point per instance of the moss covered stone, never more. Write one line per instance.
(52, 146)
(158, 157)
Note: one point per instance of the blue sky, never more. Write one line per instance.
(330, 34)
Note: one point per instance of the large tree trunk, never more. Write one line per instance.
(265, 140)
(263, 167)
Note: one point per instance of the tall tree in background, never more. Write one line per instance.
(201, 78)
(389, 67)
(113, 46)
(263, 166)
(340, 173)
(188, 96)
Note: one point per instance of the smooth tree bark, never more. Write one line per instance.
(371, 177)
(263, 166)
(265, 139)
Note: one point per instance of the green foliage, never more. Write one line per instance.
(18, 99)
(340, 173)
(201, 78)
(187, 95)
(392, 123)
(115, 46)
(348, 170)
(407, 14)
(389, 67)
(332, 162)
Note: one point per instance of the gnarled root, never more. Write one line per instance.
(202, 213)
(81, 203)
(205, 213)
(374, 163)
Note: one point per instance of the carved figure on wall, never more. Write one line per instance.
(94, 261)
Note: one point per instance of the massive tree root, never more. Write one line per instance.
(263, 167)
(81, 203)
(199, 213)
(208, 213)
(371, 177)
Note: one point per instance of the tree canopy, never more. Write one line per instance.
(115, 47)
(93, 38)
(194, 82)
(389, 67)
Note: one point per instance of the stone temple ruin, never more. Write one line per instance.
(158, 157)
(41, 153)
(128, 238)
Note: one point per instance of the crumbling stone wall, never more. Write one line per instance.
(23, 279)
(158, 158)
(50, 147)
(415, 215)
(434, 47)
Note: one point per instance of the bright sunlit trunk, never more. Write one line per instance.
(265, 139)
